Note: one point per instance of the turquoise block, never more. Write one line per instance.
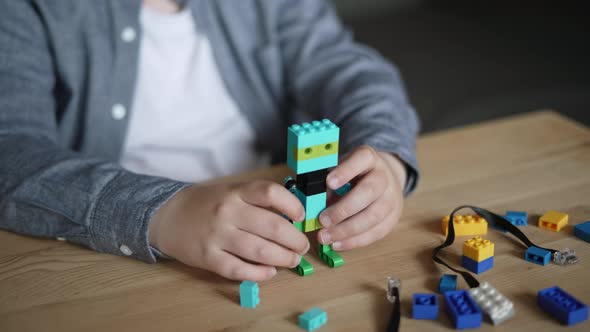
(310, 134)
(313, 204)
(313, 319)
(249, 294)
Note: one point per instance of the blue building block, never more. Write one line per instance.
(462, 310)
(477, 267)
(582, 231)
(537, 255)
(425, 306)
(517, 218)
(562, 306)
(313, 319)
(320, 139)
(249, 294)
(448, 282)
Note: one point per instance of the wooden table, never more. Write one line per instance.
(533, 162)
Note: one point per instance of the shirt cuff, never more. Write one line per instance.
(121, 216)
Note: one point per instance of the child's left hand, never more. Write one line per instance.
(370, 210)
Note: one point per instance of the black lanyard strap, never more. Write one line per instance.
(493, 220)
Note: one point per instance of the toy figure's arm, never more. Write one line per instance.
(344, 189)
(290, 184)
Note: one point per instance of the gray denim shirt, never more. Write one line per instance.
(67, 75)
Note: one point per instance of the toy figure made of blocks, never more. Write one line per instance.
(312, 148)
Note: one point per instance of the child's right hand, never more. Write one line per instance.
(232, 229)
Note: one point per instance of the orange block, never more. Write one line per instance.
(553, 221)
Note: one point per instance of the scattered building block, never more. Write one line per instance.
(565, 257)
(553, 221)
(462, 310)
(313, 319)
(477, 267)
(537, 255)
(425, 306)
(582, 231)
(249, 294)
(478, 249)
(448, 282)
(466, 225)
(495, 305)
(517, 218)
(561, 305)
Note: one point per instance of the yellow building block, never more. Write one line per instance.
(310, 225)
(466, 225)
(478, 249)
(553, 221)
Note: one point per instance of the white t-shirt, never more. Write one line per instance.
(184, 125)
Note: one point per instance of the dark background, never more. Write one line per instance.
(465, 61)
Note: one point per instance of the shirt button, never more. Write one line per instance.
(125, 250)
(128, 34)
(118, 111)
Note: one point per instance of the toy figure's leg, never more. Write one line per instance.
(304, 268)
(329, 256)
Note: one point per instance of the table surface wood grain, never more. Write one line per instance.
(533, 162)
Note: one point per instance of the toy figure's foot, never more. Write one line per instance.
(304, 268)
(330, 257)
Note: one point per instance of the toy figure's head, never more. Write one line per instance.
(312, 146)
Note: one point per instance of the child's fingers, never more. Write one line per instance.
(275, 228)
(360, 161)
(366, 191)
(272, 195)
(259, 250)
(374, 234)
(231, 267)
(358, 223)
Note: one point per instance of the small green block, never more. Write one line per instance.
(304, 268)
(330, 257)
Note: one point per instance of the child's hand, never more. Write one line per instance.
(232, 229)
(371, 209)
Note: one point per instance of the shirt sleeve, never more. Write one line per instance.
(46, 189)
(331, 76)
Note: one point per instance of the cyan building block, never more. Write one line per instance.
(448, 282)
(311, 134)
(582, 231)
(561, 305)
(477, 267)
(320, 139)
(517, 218)
(313, 205)
(462, 310)
(249, 294)
(425, 306)
(537, 255)
(313, 319)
